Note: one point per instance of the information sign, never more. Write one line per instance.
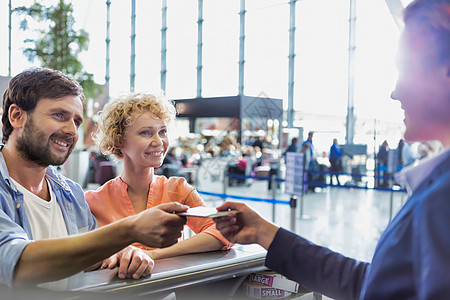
(294, 173)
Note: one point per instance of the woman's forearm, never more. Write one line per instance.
(202, 242)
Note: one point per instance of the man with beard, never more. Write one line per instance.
(47, 231)
(412, 258)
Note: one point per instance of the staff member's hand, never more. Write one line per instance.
(132, 262)
(245, 227)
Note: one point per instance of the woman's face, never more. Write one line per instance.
(146, 141)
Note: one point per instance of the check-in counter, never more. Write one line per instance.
(210, 275)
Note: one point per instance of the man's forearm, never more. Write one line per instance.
(53, 259)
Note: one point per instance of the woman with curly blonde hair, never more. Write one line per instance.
(134, 128)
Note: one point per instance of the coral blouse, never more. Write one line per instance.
(111, 202)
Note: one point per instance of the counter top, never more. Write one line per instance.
(171, 273)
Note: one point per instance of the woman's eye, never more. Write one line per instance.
(145, 132)
(163, 132)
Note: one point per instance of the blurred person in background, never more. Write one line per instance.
(293, 147)
(335, 157)
(381, 165)
(260, 142)
(309, 144)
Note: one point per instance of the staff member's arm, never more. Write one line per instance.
(316, 268)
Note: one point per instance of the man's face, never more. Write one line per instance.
(50, 132)
(423, 88)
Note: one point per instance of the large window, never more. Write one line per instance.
(221, 48)
(267, 49)
(181, 48)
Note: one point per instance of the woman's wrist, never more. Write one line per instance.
(154, 253)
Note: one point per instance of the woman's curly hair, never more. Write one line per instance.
(119, 114)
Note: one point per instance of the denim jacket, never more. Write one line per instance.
(15, 229)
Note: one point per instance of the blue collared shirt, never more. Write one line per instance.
(15, 229)
(411, 177)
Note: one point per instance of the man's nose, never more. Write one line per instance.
(70, 127)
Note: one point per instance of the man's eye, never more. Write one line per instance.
(58, 115)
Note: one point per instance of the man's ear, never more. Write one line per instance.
(17, 116)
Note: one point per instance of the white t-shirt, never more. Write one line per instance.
(45, 217)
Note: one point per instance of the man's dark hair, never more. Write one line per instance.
(28, 87)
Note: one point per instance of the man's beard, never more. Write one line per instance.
(34, 146)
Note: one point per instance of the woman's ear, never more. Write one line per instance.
(17, 116)
(118, 143)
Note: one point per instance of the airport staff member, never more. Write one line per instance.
(412, 258)
(46, 228)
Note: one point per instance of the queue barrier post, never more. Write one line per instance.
(391, 200)
(273, 179)
(293, 205)
(225, 184)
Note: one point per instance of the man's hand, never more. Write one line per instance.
(132, 262)
(160, 227)
(245, 227)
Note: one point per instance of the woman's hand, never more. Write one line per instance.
(132, 262)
